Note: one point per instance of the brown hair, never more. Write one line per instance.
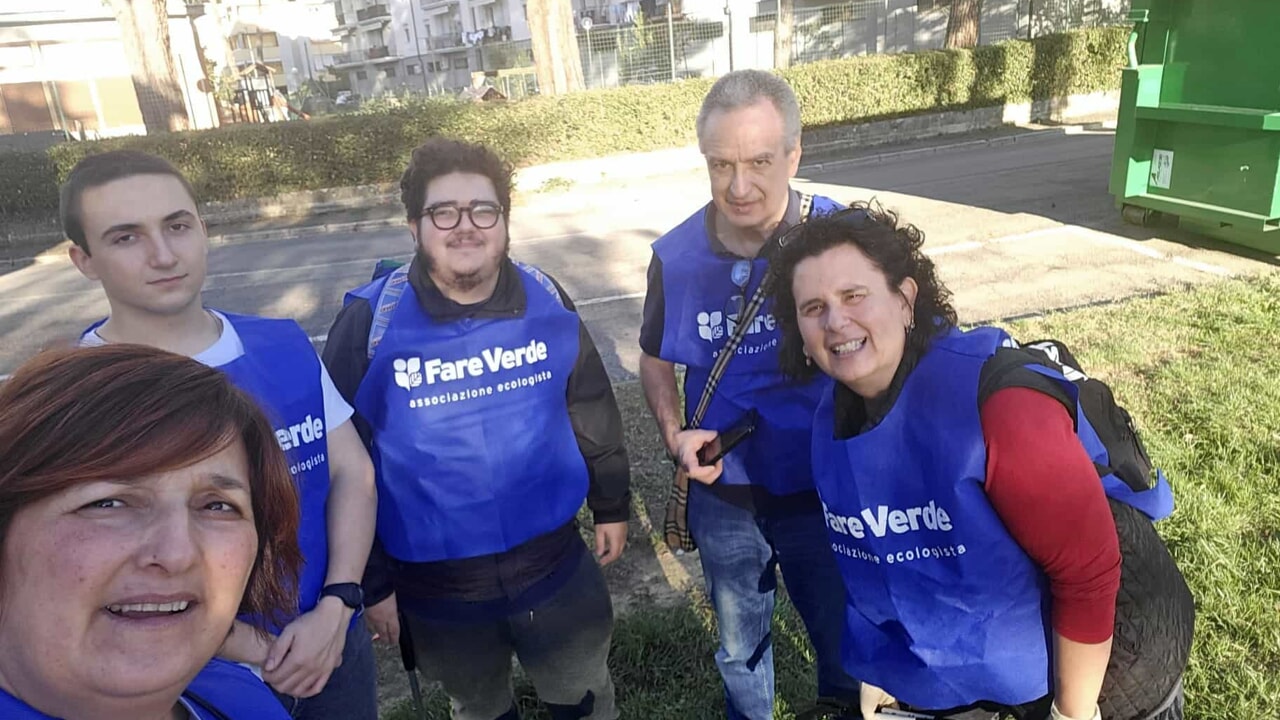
(441, 156)
(76, 415)
(98, 170)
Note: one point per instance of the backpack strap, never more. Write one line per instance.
(543, 279)
(730, 348)
(385, 307)
(1008, 368)
(398, 278)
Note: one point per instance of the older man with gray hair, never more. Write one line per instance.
(755, 510)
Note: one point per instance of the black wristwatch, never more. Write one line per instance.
(351, 594)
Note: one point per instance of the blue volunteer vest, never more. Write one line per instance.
(944, 607)
(280, 370)
(222, 691)
(701, 307)
(472, 442)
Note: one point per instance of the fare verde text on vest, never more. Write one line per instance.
(883, 522)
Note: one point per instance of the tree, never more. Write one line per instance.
(782, 25)
(557, 64)
(962, 24)
(144, 28)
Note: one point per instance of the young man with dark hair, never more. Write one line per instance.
(137, 230)
(491, 418)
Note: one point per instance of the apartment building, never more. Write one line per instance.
(63, 67)
(424, 46)
(292, 39)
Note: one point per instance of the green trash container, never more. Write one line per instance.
(1198, 133)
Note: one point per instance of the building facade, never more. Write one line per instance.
(292, 39)
(422, 46)
(63, 67)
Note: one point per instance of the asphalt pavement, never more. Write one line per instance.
(1016, 228)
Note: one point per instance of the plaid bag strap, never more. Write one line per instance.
(730, 349)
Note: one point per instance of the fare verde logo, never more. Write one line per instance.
(414, 372)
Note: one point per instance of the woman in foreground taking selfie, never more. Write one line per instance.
(993, 569)
(144, 502)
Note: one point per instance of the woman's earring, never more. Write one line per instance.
(808, 361)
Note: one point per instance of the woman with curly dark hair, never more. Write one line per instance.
(144, 502)
(974, 531)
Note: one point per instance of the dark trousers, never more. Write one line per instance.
(562, 644)
(352, 690)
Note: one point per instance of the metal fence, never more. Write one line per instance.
(666, 48)
(643, 52)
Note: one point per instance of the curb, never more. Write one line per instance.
(290, 233)
(1023, 137)
(58, 252)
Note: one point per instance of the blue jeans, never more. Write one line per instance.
(352, 690)
(740, 551)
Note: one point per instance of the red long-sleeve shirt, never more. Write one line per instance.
(1045, 489)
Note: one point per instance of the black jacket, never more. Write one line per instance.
(593, 413)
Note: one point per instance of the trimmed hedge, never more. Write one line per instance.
(265, 160)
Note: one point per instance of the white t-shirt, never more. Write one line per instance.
(228, 347)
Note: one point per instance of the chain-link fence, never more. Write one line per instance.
(640, 50)
(643, 52)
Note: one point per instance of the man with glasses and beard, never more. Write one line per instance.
(756, 510)
(490, 418)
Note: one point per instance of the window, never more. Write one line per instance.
(406, 35)
(413, 69)
(460, 63)
(362, 75)
(391, 71)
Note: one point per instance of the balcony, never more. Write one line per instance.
(431, 6)
(377, 53)
(348, 59)
(373, 13)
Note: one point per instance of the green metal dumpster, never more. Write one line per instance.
(1198, 132)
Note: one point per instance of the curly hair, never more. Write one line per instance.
(895, 249)
(441, 156)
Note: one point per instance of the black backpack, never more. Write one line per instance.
(1155, 611)
(1128, 458)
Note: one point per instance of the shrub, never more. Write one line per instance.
(373, 147)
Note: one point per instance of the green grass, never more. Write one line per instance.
(1200, 370)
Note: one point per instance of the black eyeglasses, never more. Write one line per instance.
(447, 216)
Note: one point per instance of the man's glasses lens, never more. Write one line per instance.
(447, 217)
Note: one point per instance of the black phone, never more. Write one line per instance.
(729, 439)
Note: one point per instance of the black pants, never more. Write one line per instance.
(563, 646)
